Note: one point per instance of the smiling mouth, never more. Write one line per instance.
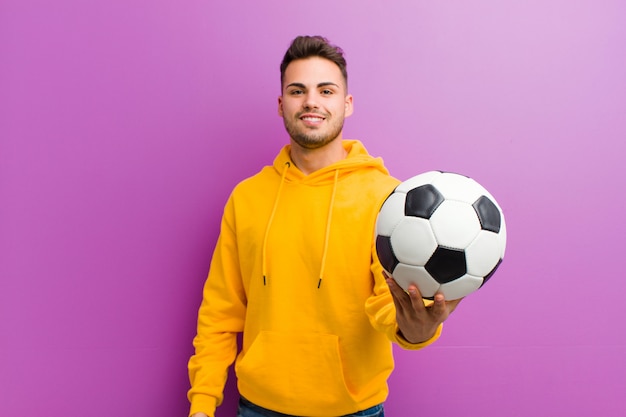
(312, 118)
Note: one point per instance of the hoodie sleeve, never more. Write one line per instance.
(382, 311)
(220, 318)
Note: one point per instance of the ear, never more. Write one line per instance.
(349, 105)
(280, 106)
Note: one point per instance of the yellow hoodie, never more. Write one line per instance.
(294, 271)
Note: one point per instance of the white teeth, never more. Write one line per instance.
(312, 119)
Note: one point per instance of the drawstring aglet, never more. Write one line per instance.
(319, 283)
(263, 279)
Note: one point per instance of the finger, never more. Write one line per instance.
(398, 294)
(439, 307)
(416, 298)
(394, 287)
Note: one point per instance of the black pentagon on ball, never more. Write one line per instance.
(422, 201)
(385, 253)
(488, 214)
(446, 264)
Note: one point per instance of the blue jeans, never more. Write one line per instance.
(248, 409)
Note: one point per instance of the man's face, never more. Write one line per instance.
(314, 102)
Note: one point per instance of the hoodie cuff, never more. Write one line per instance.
(203, 404)
(404, 344)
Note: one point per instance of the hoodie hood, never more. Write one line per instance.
(357, 158)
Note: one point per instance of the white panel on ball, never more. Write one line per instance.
(406, 275)
(483, 254)
(458, 187)
(413, 241)
(416, 181)
(455, 224)
(392, 212)
(461, 287)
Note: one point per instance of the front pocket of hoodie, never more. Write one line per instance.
(299, 368)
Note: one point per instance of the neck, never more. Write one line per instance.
(311, 160)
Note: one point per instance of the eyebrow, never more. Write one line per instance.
(324, 84)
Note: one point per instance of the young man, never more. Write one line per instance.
(294, 268)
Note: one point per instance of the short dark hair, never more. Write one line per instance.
(313, 46)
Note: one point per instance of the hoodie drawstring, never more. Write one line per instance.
(271, 219)
(328, 223)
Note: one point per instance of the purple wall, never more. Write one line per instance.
(125, 124)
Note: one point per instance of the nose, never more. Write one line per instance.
(311, 100)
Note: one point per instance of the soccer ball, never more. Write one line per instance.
(442, 232)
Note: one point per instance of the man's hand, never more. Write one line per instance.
(418, 322)
(199, 415)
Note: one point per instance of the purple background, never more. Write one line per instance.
(125, 124)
